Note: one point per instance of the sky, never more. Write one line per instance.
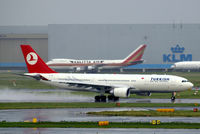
(44, 12)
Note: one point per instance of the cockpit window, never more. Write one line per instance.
(184, 80)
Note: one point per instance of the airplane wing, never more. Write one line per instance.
(95, 85)
(137, 62)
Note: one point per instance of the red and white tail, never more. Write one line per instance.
(135, 56)
(33, 61)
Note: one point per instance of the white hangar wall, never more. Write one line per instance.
(11, 37)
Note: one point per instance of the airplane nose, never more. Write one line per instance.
(190, 85)
(173, 66)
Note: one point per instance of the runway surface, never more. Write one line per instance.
(61, 95)
(79, 114)
(95, 131)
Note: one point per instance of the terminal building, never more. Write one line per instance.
(166, 43)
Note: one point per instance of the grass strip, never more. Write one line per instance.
(171, 125)
(49, 105)
(180, 113)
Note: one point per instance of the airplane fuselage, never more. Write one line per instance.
(116, 85)
(134, 58)
(71, 63)
(137, 83)
(187, 65)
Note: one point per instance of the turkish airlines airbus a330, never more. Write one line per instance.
(86, 65)
(116, 85)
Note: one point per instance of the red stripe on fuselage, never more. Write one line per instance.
(111, 64)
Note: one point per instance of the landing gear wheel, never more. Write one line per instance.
(113, 98)
(100, 98)
(173, 98)
(103, 98)
(97, 99)
(110, 97)
(116, 99)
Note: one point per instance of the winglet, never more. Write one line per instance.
(33, 61)
(136, 55)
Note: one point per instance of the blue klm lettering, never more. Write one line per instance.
(173, 58)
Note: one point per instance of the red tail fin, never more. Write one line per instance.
(33, 61)
(136, 55)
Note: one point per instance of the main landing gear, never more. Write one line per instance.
(102, 98)
(173, 98)
(113, 98)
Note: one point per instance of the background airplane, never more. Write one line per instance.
(78, 65)
(186, 65)
(116, 85)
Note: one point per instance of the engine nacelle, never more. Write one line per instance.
(90, 67)
(77, 69)
(84, 68)
(121, 92)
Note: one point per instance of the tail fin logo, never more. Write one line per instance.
(32, 58)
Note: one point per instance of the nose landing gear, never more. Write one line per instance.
(173, 98)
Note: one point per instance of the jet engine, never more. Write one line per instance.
(91, 68)
(78, 69)
(121, 92)
(84, 68)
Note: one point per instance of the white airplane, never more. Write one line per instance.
(78, 65)
(186, 65)
(117, 85)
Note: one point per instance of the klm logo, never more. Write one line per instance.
(177, 55)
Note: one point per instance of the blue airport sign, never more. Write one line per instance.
(177, 55)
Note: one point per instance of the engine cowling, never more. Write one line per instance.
(121, 92)
(77, 69)
(91, 67)
(85, 68)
